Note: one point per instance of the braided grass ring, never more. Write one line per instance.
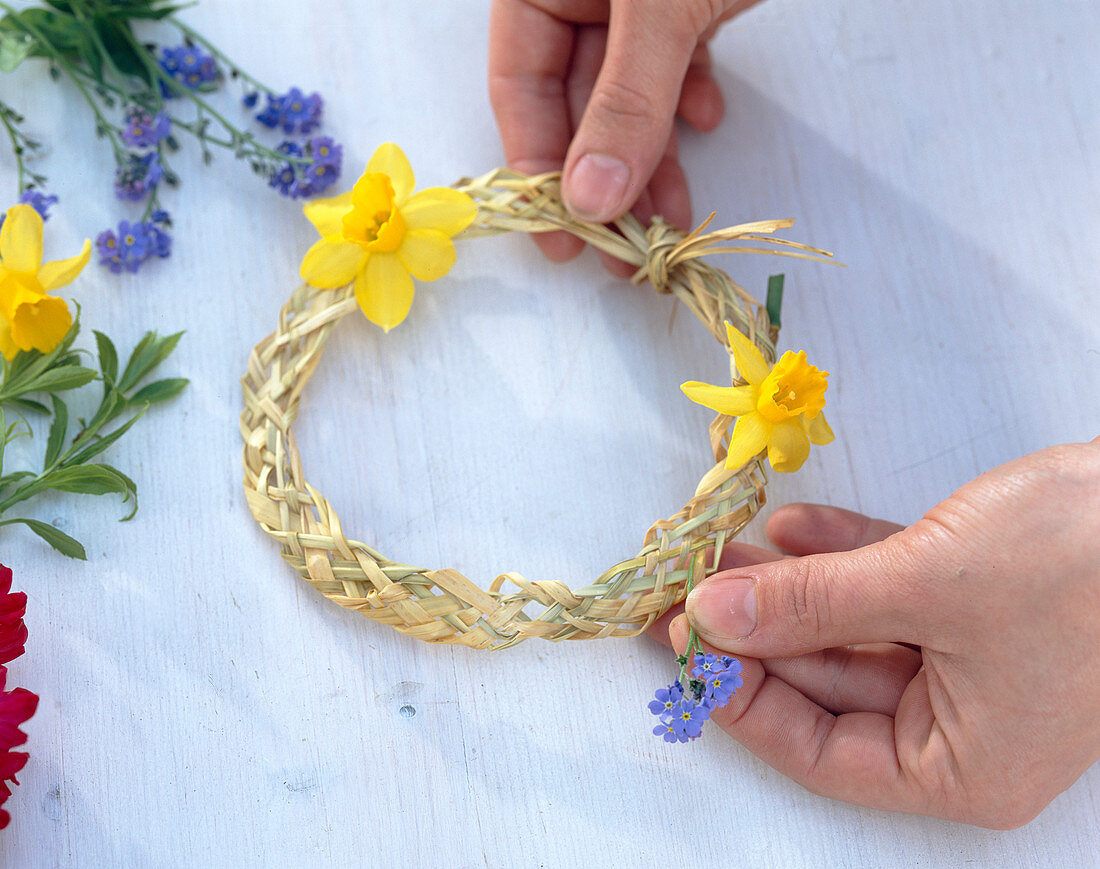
(443, 606)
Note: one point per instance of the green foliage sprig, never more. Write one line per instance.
(67, 463)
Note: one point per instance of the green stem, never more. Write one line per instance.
(693, 638)
(194, 129)
(190, 127)
(153, 203)
(18, 145)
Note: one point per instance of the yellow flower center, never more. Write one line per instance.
(374, 221)
(793, 388)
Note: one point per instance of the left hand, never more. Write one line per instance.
(593, 87)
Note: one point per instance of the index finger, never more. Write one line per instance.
(529, 56)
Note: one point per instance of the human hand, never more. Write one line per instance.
(593, 87)
(951, 668)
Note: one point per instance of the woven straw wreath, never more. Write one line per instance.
(443, 606)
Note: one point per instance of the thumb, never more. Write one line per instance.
(800, 605)
(628, 119)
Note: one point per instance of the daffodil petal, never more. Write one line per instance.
(326, 214)
(749, 437)
(732, 400)
(64, 271)
(427, 254)
(391, 160)
(384, 290)
(7, 346)
(449, 211)
(818, 430)
(21, 239)
(41, 325)
(788, 446)
(329, 264)
(750, 362)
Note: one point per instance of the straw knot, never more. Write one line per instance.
(661, 259)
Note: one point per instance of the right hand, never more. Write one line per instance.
(950, 668)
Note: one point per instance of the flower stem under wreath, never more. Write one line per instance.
(693, 638)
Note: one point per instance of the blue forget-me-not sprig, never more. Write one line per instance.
(683, 712)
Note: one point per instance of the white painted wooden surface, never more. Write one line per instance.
(201, 707)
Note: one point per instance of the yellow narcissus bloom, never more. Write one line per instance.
(30, 318)
(780, 408)
(381, 235)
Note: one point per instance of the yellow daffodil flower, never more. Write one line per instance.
(29, 317)
(381, 235)
(779, 408)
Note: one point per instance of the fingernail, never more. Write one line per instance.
(724, 607)
(596, 187)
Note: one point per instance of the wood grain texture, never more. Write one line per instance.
(200, 706)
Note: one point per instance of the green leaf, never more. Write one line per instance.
(111, 405)
(159, 390)
(118, 41)
(12, 431)
(30, 363)
(62, 31)
(28, 404)
(93, 480)
(61, 378)
(57, 538)
(4, 438)
(89, 53)
(90, 480)
(58, 429)
(108, 356)
(148, 354)
(14, 49)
